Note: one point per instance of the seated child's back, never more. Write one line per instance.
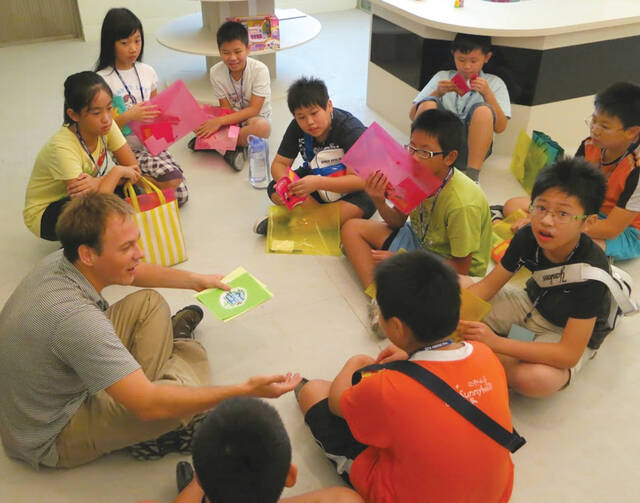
(405, 444)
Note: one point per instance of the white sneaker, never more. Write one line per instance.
(374, 319)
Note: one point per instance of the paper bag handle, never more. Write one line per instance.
(149, 187)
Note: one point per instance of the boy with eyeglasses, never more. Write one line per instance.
(614, 147)
(544, 335)
(454, 223)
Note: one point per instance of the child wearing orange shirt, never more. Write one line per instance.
(391, 438)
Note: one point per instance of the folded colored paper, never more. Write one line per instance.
(180, 114)
(226, 138)
(245, 294)
(409, 183)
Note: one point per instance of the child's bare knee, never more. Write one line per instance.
(312, 392)
(359, 361)
(426, 105)
(482, 113)
(537, 380)
(351, 228)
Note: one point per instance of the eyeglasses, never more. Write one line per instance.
(593, 125)
(423, 154)
(559, 216)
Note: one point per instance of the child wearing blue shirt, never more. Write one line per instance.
(484, 108)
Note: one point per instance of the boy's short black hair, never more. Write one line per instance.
(230, 31)
(444, 125)
(307, 92)
(467, 43)
(241, 452)
(418, 288)
(621, 100)
(575, 177)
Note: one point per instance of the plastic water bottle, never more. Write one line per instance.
(258, 162)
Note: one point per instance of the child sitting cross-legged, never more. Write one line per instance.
(614, 147)
(242, 84)
(454, 223)
(389, 436)
(565, 321)
(321, 134)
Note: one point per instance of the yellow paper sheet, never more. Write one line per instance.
(472, 308)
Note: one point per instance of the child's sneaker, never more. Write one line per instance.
(261, 226)
(374, 319)
(236, 158)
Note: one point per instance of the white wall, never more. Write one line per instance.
(155, 13)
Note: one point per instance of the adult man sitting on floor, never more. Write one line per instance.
(80, 379)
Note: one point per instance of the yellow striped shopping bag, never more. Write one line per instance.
(160, 228)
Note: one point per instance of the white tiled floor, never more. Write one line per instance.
(582, 443)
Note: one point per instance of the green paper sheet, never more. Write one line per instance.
(120, 107)
(245, 294)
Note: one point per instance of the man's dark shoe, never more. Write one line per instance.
(173, 441)
(184, 475)
(185, 321)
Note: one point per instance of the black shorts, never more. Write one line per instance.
(49, 219)
(332, 433)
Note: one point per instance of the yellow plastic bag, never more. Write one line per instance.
(309, 231)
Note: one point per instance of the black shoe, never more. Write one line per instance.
(173, 441)
(184, 475)
(497, 212)
(236, 158)
(261, 226)
(192, 143)
(185, 321)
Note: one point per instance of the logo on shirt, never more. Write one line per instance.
(233, 298)
(554, 278)
(475, 389)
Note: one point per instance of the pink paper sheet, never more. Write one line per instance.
(225, 138)
(180, 112)
(376, 150)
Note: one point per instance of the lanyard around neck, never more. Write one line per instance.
(133, 98)
(433, 205)
(97, 170)
(235, 91)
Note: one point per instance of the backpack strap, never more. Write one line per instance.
(509, 440)
(618, 282)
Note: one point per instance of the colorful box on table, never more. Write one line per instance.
(264, 31)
